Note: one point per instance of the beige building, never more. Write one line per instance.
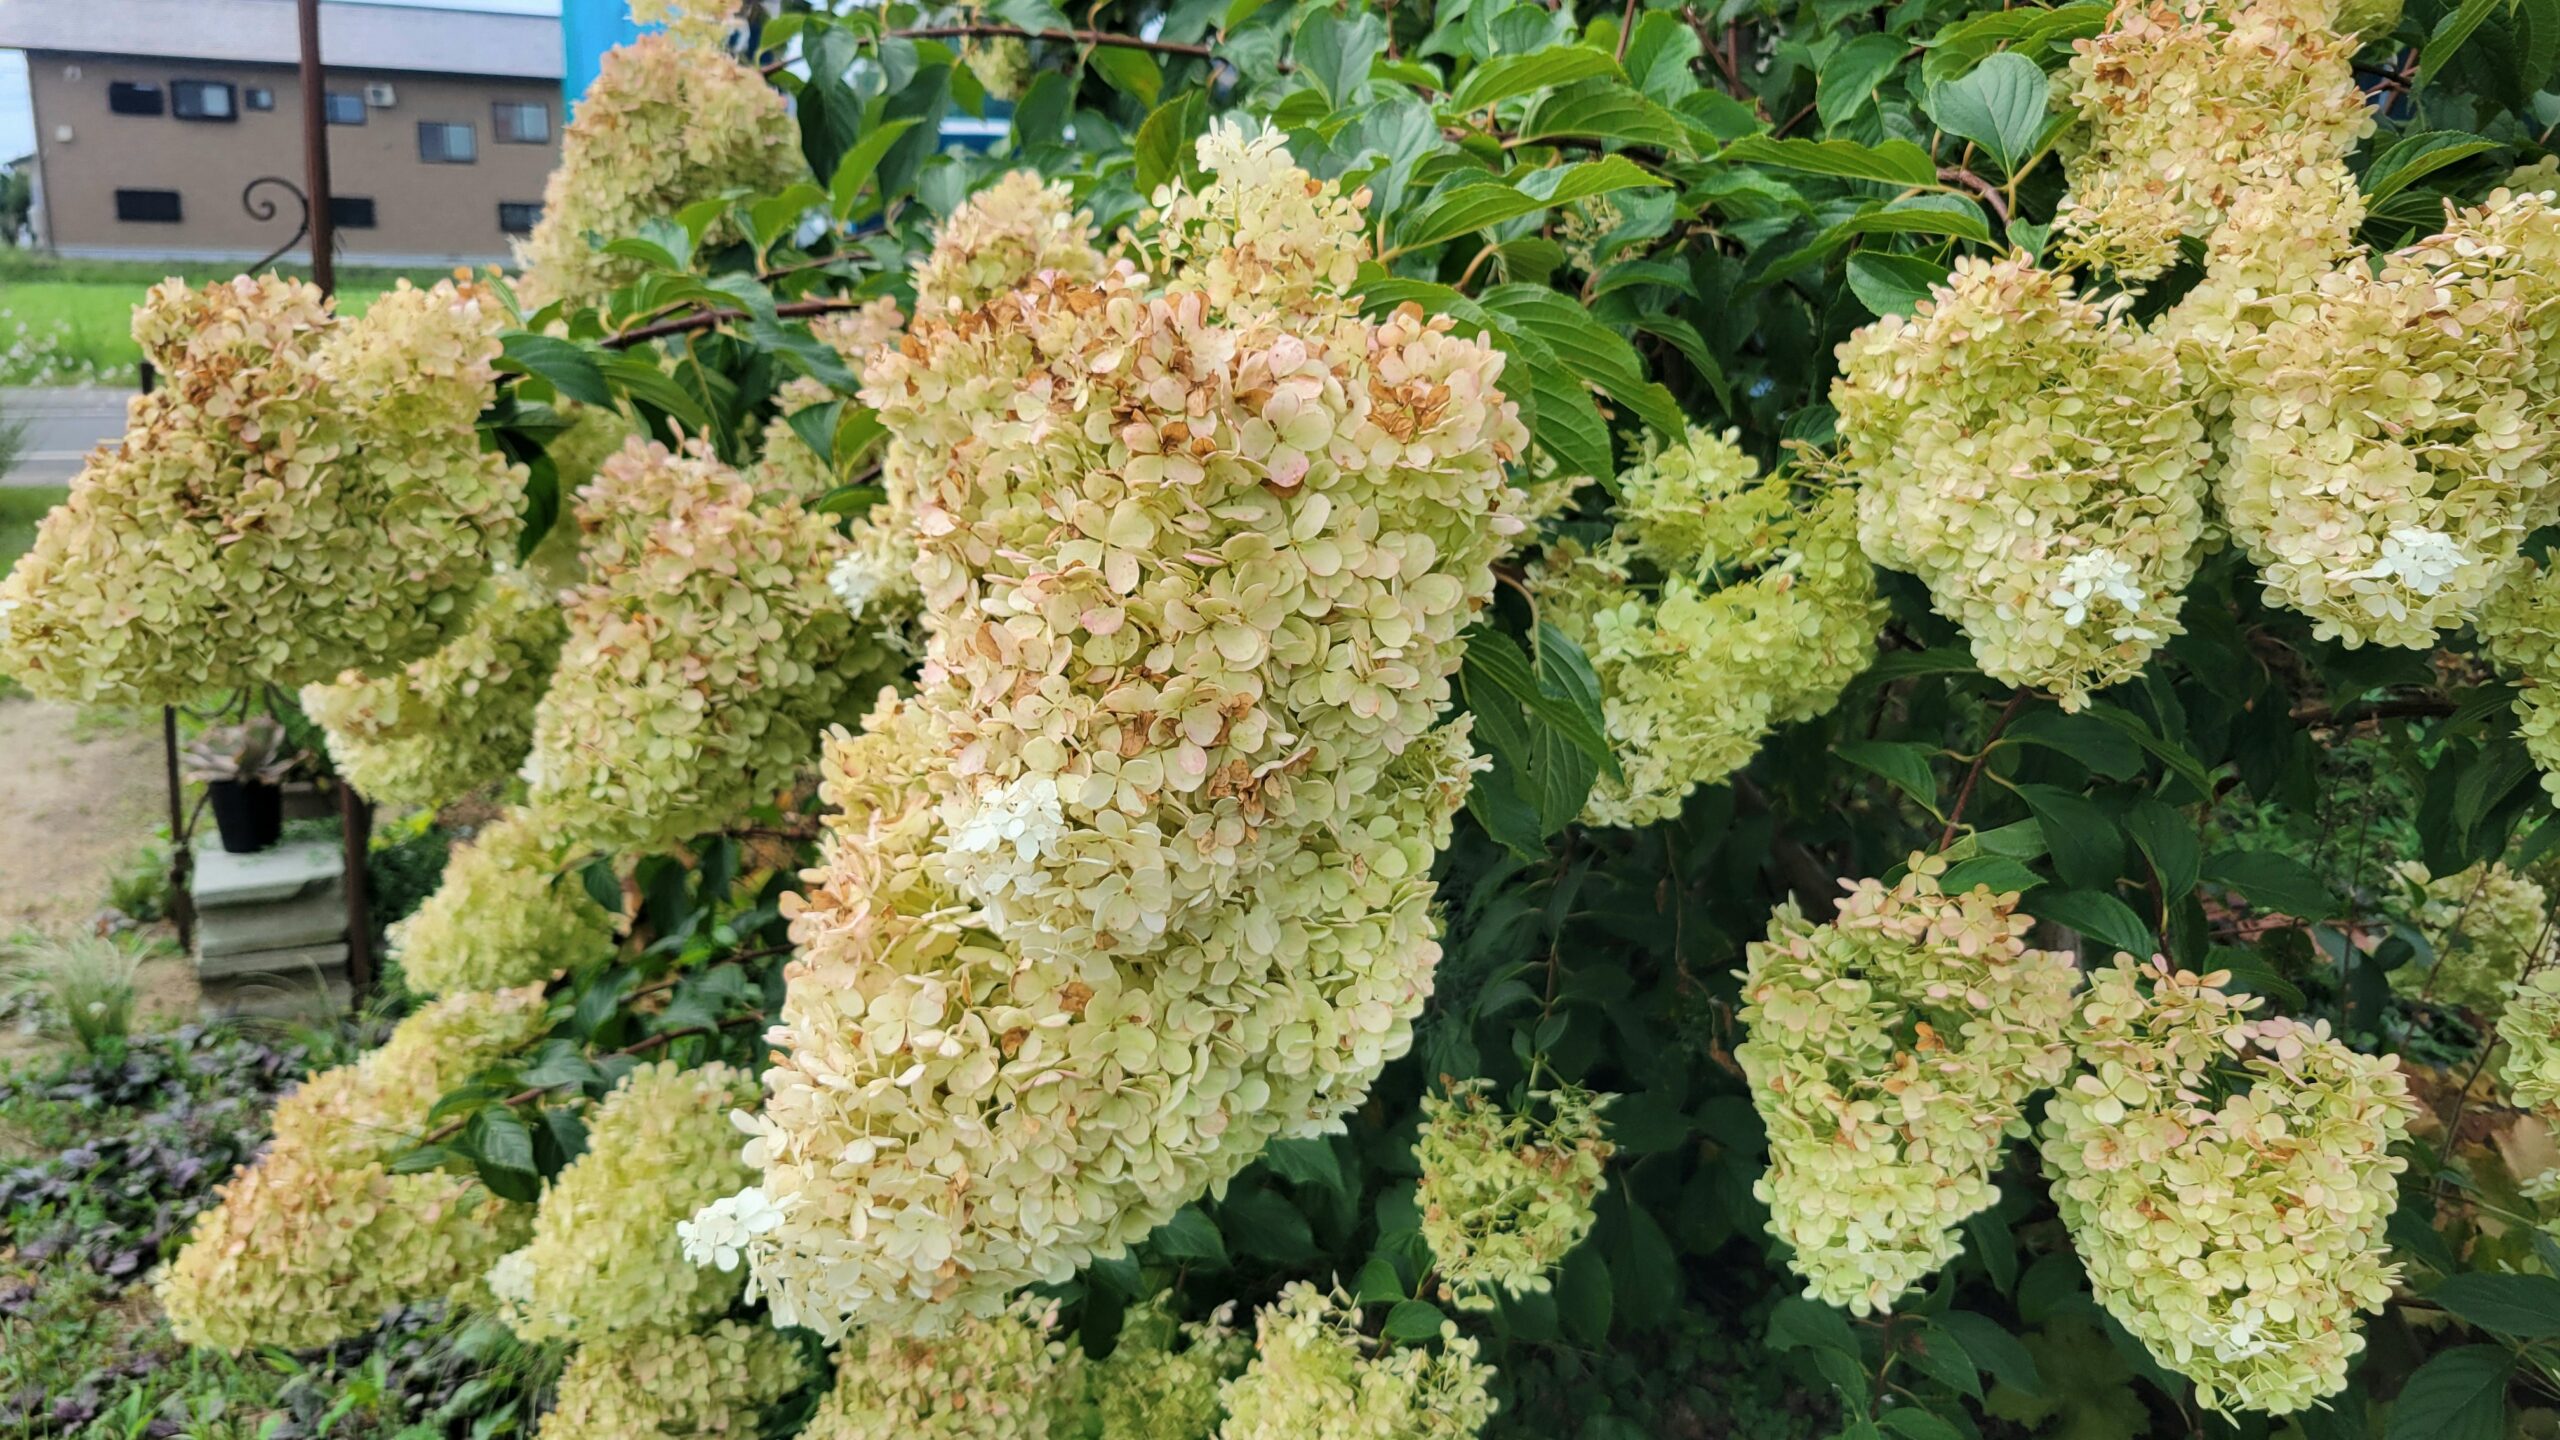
(153, 118)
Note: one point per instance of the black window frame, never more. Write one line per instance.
(331, 101)
(132, 203)
(179, 90)
(258, 98)
(499, 109)
(469, 130)
(137, 97)
(352, 212)
(531, 208)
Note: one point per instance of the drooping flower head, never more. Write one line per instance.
(505, 913)
(1006, 1377)
(1315, 1374)
(2488, 925)
(674, 1385)
(1506, 1194)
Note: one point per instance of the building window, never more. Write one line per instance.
(351, 212)
(125, 97)
(157, 207)
(520, 122)
(518, 217)
(203, 100)
(258, 97)
(344, 108)
(447, 142)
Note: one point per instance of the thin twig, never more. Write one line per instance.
(1079, 37)
(532, 1093)
(711, 319)
(2320, 717)
(1973, 775)
(1990, 193)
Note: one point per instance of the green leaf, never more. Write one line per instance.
(1796, 1323)
(1602, 108)
(564, 364)
(2414, 157)
(503, 1147)
(1164, 145)
(2029, 32)
(1659, 55)
(1133, 73)
(2102, 918)
(1938, 1354)
(1378, 1283)
(2451, 34)
(816, 426)
(1563, 420)
(2524, 1306)
(2000, 873)
(1267, 1227)
(1903, 762)
(1851, 73)
(1585, 1299)
(1309, 1160)
(1505, 76)
(2461, 1394)
(1918, 1424)
(2102, 748)
(1040, 116)
(2087, 848)
(861, 162)
(1189, 1235)
(1999, 105)
(1338, 50)
(1994, 1349)
(2168, 842)
(2273, 882)
(1413, 1320)
(1589, 350)
(641, 379)
(1890, 284)
(1474, 207)
(1895, 162)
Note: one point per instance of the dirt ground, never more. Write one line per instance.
(80, 791)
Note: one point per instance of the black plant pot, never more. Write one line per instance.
(249, 815)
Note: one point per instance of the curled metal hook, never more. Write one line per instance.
(262, 209)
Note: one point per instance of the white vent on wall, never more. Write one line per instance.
(381, 96)
(70, 72)
(62, 134)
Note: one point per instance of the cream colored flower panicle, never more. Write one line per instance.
(605, 1256)
(1315, 1376)
(2038, 462)
(1891, 1052)
(302, 494)
(1195, 562)
(662, 1385)
(2226, 1180)
(950, 1117)
(1721, 607)
(507, 912)
(1506, 1194)
(1005, 1377)
(2183, 108)
(1018, 228)
(2488, 925)
(440, 727)
(2389, 433)
(670, 119)
(705, 655)
(315, 1239)
(2530, 1027)
(1162, 1378)
(2519, 629)
(1002, 65)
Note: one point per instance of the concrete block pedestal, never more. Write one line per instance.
(271, 930)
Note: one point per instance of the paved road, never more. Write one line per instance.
(61, 425)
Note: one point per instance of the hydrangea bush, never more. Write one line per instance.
(1095, 747)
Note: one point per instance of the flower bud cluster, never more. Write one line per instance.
(304, 493)
(2227, 1181)
(605, 1256)
(1506, 1194)
(664, 1385)
(705, 655)
(1015, 230)
(1005, 1377)
(1891, 1053)
(1314, 1376)
(1720, 608)
(442, 726)
(2184, 107)
(2038, 462)
(315, 1239)
(2488, 925)
(2530, 1027)
(504, 914)
(1162, 1378)
(1139, 879)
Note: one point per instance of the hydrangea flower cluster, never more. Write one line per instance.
(2185, 107)
(2227, 1181)
(661, 1385)
(2389, 433)
(314, 1240)
(504, 914)
(705, 654)
(1719, 609)
(1002, 65)
(605, 1256)
(1314, 1376)
(1891, 1052)
(669, 119)
(1162, 1378)
(243, 532)
(2035, 459)
(1005, 1377)
(2488, 925)
(2531, 1028)
(2519, 629)
(1505, 1195)
(442, 726)
(1013, 230)
(1139, 879)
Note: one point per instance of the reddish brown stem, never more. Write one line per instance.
(1973, 773)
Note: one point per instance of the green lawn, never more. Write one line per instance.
(21, 506)
(69, 322)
